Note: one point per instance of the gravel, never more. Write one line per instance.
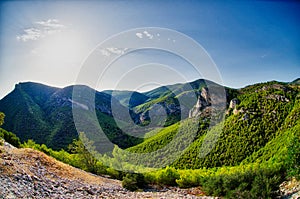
(30, 177)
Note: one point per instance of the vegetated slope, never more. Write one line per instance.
(168, 97)
(44, 114)
(296, 81)
(260, 118)
(128, 98)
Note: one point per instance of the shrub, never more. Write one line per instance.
(188, 179)
(114, 173)
(293, 162)
(133, 181)
(168, 176)
(213, 185)
(10, 138)
(261, 183)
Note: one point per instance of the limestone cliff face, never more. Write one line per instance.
(233, 103)
(203, 102)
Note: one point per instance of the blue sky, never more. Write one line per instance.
(249, 41)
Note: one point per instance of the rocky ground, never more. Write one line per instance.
(290, 189)
(26, 173)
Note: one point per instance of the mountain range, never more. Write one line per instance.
(44, 114)
(256, 118)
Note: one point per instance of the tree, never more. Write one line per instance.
(86, 150)
(2, 115)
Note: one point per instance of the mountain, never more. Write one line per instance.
(255, 116)
(258, 125)
(128, 98)
(231, 142)
(44, 114)
(296, 81)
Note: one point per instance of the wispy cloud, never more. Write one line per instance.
(139, 35)
(145, 34)
(112, 50)
(30, 34)
(41, 29)
(148, 35)
(51, 23)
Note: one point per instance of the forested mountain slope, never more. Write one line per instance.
(258, 124)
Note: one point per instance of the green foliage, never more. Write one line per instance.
(1, 142)
(133, 181)
(86, 150)
(44, 114)
(260, 183)
(244, 181)
(10, 138)
(293, 160)
(167, 176)
(2, 115)
(114, 173)
(75, 160)
(157, 141)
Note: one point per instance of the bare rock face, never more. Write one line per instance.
(233, 103)
(203, 102)
(205, 95)
(290, 189)
(233, 106)
(278, 98)
(235, 111)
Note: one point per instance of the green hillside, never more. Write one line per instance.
(265, 114)
(44, 114)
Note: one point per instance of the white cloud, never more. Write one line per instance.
(51, 23)
(30, 34)
(105, 52)
(112, 50)
(40, 30)
(139, 35)
(145, 33)
(148, 35)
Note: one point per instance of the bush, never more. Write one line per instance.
(293, 162)
(187, 179)
(114, 173)
(262, 183)
(133, 181)
(213, 185)
(265, 184)
(168, 176)
(10, 138)
(1, 118)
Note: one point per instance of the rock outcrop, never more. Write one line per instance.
(203, 102)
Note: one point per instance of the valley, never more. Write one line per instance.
(239, 146)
